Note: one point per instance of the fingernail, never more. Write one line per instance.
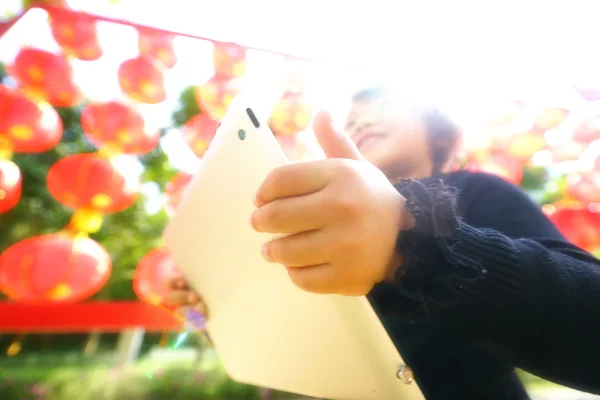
(252, 223)
(195, 320)
(266, 252)
(192, 298)
(258, 201)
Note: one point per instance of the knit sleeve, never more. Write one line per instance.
(500, 275)
(433, 271)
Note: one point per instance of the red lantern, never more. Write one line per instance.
(92, 182)
(59, 267)
(10, 185)
(175, 189)
(588, 131)
(48, 3)
(142, 80)
(550, 118)
(27, 126)
(499, 164)
(229, 60)
(157, 46)
(198, 133)
(584, 188)
(578, 223)
(46, 76)
(151, 275)
(215, 96)
(118, 127)
(76, 34)
(292, 114)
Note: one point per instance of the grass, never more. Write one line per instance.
(156, 376)
(152, 378)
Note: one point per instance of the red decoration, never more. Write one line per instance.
(588, 131)
(215, 96)
(142, 80)
(198, 133)
(118, 127)
(54, 268)
(157, 46)
(550, 118)
(578, 223)
(499, 164)
(584, 188)
(6, 24)
(229, 60)
(49, 3)
(46, 76)
(10, 185)
(151, 275)
(27, 126)
(76, 34)
(175, 188)
(90, 181)
(102, 316)
(292, 114)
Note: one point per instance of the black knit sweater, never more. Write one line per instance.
(488, 283)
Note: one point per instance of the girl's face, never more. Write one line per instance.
(391, 137)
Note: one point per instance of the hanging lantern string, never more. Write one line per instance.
(123, 21)
(5, 149)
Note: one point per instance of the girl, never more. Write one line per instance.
(467, 274)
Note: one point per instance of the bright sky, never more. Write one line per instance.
(463, 54)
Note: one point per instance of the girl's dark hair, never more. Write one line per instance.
(444, 135)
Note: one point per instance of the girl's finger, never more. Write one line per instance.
(176, 282)
(299, 250)
(178, 297)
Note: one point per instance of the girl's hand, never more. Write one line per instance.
(189, 304)
(343, 215)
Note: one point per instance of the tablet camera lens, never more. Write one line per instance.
(242, 134)
(252, 117)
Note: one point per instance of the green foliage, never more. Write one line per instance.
(187, 107)
(541, 186)
(106, 384)
(157, 168)
(533, 178)
(177, 382)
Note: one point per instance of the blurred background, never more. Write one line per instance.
(107, 106)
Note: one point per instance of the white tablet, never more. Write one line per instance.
(266, 331)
